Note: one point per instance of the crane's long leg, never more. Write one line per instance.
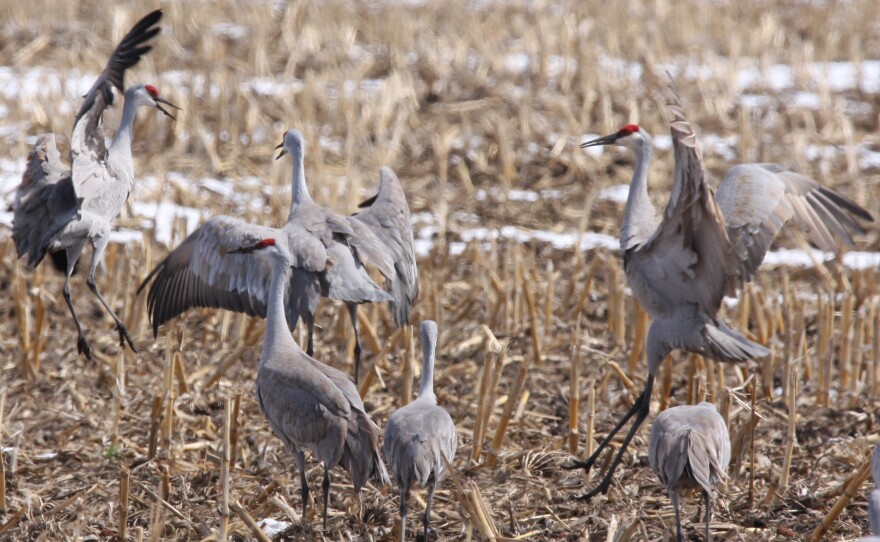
(326, 487)
(300, 458)
(98, 247)
(352, 312)
(73, 254)
(432, 485)
(708, 499)
(640, 408)
(676, 504)
(404, 496)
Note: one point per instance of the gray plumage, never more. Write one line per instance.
(309, 405)
(375, 236)
(419, 435)
(705, 247)
(689, 448)
(60, 210)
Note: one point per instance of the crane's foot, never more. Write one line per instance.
(578, 464)
(82, 347)
(601, 488)
(125, 337)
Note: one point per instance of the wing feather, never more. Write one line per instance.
(44, 202)
(201, 273)
(88, 151)
(689, 253)
(758, 199)
(390, 247)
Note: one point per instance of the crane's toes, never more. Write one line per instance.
(578, 464)
(124, 337)
(590, 494)
(82, 347)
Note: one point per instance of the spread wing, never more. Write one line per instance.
(758, 199)
(88, 151)
(44, 201)
(387, 242)
(201, 273)
(687, 258)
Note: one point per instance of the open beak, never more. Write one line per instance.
(606, 140)
(160, 100)
(283, 150)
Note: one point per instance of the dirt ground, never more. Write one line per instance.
(479, 106)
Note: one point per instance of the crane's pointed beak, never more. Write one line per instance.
(605, 140)
(160, 100)
(247, 249)
(283, 150)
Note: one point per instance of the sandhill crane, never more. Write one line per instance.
(58, 210)
(419, 435)
(689, 448)
(196, 275)
(705, 247)
(309, 405)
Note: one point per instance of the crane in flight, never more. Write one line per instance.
(57, 210)
(705, 246)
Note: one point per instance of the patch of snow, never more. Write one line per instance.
(271, 527)
(617, 193)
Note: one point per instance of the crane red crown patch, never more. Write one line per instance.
(628, 129)
(154, 92)
(266, 243)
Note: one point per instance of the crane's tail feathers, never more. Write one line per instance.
(360, 457)
(728, 345)
(703, 464)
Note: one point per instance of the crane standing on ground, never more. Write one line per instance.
(705, 247)
(689, 448)
(57, 210)
(309, 405)
(198, 274)
(419, 435)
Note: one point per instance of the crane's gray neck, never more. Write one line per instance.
(426, 388)
(122, 140)
(276, 323)
(300, 190)
(639, 217)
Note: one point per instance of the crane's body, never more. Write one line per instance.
(419, 435)
(703, 248)
(59, 210)
(309, 405)
(689, 448)
(874, 498)
(331, 250)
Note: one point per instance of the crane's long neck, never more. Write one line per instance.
(120, 148)
(277, 333)
(300, 190)
(639, 218)
(426, 388)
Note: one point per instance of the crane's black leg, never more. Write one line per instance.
(82, 345)
(326, 487)
(98, 247)
(640, 408)
(432, 484)
(676, 504)
(404, 496)
(352, 312)
(304, 484)
(708, 499)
